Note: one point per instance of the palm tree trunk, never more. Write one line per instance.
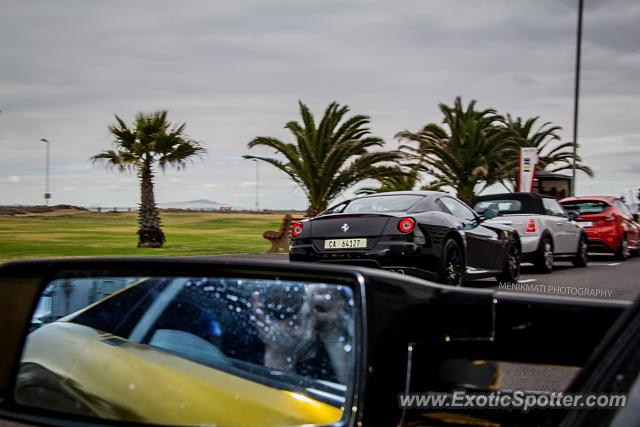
(150, 234)
(316, 206)
(311, 212)
(466, 193)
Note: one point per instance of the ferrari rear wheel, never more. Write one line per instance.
(452, 270)
(511, 272)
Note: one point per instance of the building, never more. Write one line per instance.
(552, 184)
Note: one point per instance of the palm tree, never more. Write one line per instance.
(403, 177)
(330, 157)
(398, 179)
(466, 152)
(553, 156)
(434, 185)
(152, 140)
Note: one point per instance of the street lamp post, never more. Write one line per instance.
(576, 95)
(257, 184)
(47, 194)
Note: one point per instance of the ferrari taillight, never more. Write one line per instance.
(532, 226)
(296, 229)
(406, 225)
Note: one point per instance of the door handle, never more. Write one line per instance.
(560, 223)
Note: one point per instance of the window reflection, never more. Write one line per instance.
(292, 336)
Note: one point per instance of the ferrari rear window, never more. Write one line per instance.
(586, 206)
(395, 203)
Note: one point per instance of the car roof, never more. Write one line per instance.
(404, 193)
(608, 199)
(513, 196)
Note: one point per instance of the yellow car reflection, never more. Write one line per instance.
(77, 368)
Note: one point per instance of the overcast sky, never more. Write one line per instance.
(235, 70)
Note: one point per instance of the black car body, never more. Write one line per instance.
(441, 226)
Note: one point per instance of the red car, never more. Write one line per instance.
(610, 225)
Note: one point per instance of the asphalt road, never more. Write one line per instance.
(604, 277)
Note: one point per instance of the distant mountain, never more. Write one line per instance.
(196, 205)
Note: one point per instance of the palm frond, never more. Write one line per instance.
(463, 152)
(327, 158)
(553, 155)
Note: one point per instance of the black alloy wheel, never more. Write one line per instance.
(453, 266)
(511, 272)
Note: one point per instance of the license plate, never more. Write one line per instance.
(585, 224)
(345, 243)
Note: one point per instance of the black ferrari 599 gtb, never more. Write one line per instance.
(422, 233)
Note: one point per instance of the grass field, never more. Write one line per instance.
(92, 234)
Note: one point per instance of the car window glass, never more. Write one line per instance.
(375, 204)
(120, 313)
(616, 205)
(424, 205)
(499, 205)
(552, 207)
(458, 209)
(586, 206)
(230, 322)
(336, 209)
(622, 208)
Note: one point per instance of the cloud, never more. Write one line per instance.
(633, 168)
(236, 70)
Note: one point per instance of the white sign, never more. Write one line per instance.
(528, 163)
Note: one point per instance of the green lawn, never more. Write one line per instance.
(92, 234)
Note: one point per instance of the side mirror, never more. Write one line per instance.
(187, 343)
(489, 214)
(635, 217)
(574, 215)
